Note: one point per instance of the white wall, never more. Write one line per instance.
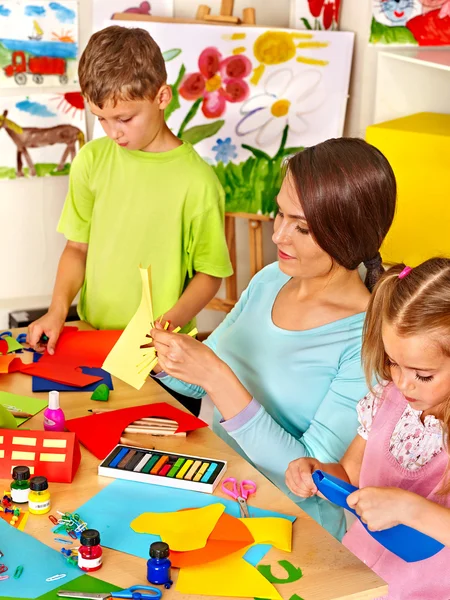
(29, 210)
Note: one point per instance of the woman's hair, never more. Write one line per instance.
(416, 304)
(348, 192)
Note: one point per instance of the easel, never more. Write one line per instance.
(254, 221)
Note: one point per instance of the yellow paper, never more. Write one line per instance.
(271, 530)
(127, 360)
(229, 576)
(182, 530)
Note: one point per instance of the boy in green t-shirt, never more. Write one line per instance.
(139, 196)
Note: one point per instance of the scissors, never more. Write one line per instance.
(136, 592)
(240, 491)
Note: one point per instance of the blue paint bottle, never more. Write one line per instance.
(158, 566)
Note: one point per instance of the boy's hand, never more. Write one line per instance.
(381, 508)
(49, 325)
(299, 477)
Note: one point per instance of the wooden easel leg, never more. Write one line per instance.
(202, 11)
(226, 8)
(256, 246)
(249, 16)
(230, 235)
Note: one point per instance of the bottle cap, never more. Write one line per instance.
(38, 484)
(53, 400)
(21, 473)
(159, 550)
(90, 537)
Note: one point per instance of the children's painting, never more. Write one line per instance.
(38, 43)
(41, 134)
(414, 22)
(103, 10)
(248, 97)
(314, 14)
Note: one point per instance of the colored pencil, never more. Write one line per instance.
(146, 431)
(136, 443)
(20, 414)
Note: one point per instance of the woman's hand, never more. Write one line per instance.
(299, 477)
(381, 508)
(185, 358)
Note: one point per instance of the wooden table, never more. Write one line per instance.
(330, 571)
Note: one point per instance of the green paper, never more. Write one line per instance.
(293, 573)
(85, 583)
(7, 421)
(22, 403)
(101, 393)
(13, 344)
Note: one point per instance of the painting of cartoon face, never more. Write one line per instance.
(432, 4)
(398, 12)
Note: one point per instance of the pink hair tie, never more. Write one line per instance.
(406, 271)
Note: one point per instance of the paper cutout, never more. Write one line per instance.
(7, 421)
(228, 536)
(25, 404)
(21, 521)
(104, 509)
(229, 576)
(101, 393)
(10, 363)
(182, 530)
(113, 423)
(293, 573)
(38, 560)
(3, 346)
(271, 530)
(13, 344)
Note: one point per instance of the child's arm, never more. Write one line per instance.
(69, 279)
(299, 473)
(195, 297)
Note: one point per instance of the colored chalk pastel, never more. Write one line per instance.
(182, 472)
(174, 470)
(142, 462)
(134, 461)
(201, 471)
(190, 474)
(151, 463)
(166, 468)
(126, 459)
(162, 461)
(116, 460)
(209, 472)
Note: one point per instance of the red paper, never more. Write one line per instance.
(111, 425)
(75, 349)
(3, 346)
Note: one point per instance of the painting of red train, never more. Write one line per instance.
(40, 135)
(38, 43)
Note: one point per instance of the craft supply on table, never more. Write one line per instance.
(407, 543)
(90, 552)
(240, 491)
(22, 406)
(39, 496)
(54, 419)
(101, 393)
(158, 565)
(136, 592)
(163, 468)
(20, 486)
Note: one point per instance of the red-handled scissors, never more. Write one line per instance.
(240, 491)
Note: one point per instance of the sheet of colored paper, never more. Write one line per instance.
(7, 421)
(22, 403)
(44, 385)
(38, 560)
(112, 424)
(183, 530)
(20, 523)
(13, 344)
(9, 364)
(85, 583)
(104, 509)
(229, 576)
(271, 530)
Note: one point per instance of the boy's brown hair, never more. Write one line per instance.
(121, 64)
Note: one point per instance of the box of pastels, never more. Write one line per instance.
(163, 468)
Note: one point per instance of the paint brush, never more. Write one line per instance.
(20, 414)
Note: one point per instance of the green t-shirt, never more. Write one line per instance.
(141, 208)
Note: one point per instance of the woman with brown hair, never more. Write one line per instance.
(284, 367)
(399, 458)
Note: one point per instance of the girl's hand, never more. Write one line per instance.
(299, 477)
(381, 508)
(185, 358)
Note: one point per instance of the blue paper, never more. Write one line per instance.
(40, 384)
(407, 543)
(113, 509)
(38, 560)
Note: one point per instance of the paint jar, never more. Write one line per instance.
(158, 566)
(20, 486)
(90, 551)
(54, 419)
(39, 496)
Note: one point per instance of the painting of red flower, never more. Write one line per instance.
(324, 13)
(217, 81)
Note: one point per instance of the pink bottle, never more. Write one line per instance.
(54, 419)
